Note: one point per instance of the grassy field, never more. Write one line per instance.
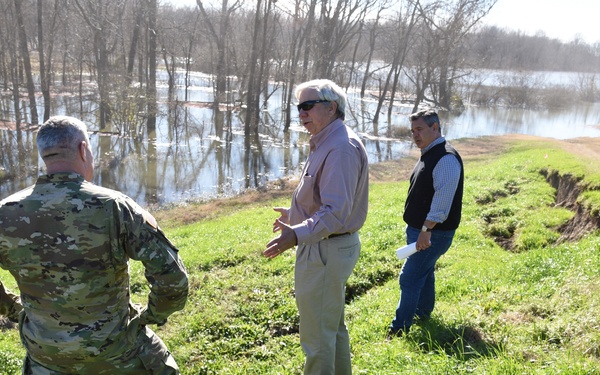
(515, 295)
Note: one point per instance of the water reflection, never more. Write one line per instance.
(202, 154)
(19, 161)
(579, 121)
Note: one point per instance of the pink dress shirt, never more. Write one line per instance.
(332, 196)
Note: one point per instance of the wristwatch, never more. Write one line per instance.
(425, 229)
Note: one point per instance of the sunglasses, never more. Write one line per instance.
(307, 105)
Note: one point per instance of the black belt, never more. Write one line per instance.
(337, 235)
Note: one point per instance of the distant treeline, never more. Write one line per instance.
(495, 48)
(390, 49)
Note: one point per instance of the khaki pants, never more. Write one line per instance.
(321, 273)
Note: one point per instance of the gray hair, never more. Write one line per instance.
(60, 136)
(430, 117)
(327, 90)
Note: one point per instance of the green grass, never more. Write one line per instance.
(532, 308)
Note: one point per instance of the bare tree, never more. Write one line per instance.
(257, 65)
(252, 45)
(26, 62)
(151, 96)
(446, 24)
(339, 23)
(310, 38)
(220, 36)
(101, 16)
(45, 58)
(373, 28)
(140, 12)
(401, 32)
(9, 40)
(191, 32)
(179, 32)
(299, 34)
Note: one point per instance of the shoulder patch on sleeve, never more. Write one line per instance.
(150, 220)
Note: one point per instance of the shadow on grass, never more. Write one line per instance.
(354, 289)
(463, 342)
(358, 286)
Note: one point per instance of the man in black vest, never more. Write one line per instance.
(432, 213)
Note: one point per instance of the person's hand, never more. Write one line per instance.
(286, 240)
(424, 241)
(283, 217)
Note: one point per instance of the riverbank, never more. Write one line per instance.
(513, 297)
(471, 149)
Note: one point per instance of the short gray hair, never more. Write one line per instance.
(429, 115)
(327, 90)
(60, 135)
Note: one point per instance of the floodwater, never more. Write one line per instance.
(202, 156)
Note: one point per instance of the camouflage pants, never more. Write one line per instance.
(152, 358)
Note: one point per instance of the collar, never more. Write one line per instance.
(435, 142)
(319, 138)
(60, 177)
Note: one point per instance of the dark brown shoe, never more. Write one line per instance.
(392, 333)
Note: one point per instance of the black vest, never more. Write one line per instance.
(420, 192)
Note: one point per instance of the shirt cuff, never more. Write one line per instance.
(303, 235)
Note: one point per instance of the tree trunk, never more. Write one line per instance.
(253, 80)
(309, 40)
(220, 37)
(45, 70)
(354, 56)
(134, 43)
(372, 44)
(293, 59)
(221, 83)
(170, 68)
(15, 87)
(151, 88)
(103, 77)
(399, 56)
(26, 62)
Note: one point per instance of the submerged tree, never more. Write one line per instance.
(257, 66)
(401, 31)
(250, 49)
(23, 48)
(444, 26)
(338, 24)
(151, 96)
(218, 24)
(101, 17)
(46, 39)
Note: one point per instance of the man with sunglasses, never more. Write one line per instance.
(328, 207)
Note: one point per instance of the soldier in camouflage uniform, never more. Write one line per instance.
(67, 242)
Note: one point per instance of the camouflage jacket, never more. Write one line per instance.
(67, 243)
(10, 304)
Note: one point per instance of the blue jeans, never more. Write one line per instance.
(417, 278)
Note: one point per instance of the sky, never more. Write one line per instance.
(561, 19)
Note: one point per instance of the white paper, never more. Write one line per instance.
(407, 250)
